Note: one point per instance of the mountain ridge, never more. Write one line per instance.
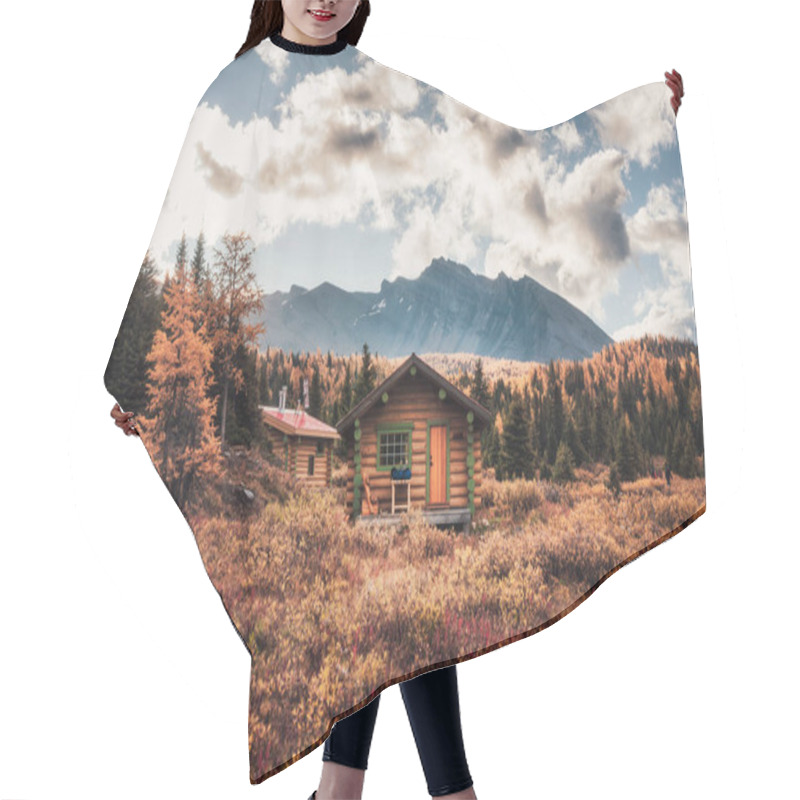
(446, 308)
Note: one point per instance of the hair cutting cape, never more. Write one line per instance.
(418, 380)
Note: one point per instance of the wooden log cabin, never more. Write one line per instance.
(304, 443)
(414, 420)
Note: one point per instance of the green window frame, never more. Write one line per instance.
(394, 446)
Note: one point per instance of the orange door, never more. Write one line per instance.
(438, 464)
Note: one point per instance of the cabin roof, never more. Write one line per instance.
(480, 411)
(298, 422)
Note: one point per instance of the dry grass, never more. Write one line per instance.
(332, 612)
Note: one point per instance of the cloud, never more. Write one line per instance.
(276, 58)
(208, 189)
(660, 227)
(580, 246)
(638, 122)
(222, 179)
(442, 179)
(429, 233)
(567, 136)
(669, 311)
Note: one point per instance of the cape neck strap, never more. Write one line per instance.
(311, 49)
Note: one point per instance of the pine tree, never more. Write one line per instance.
(606, 428)
(479, 389)
(182, 255)
(199, 270)
(517, 456)
(347, 390)
(554, 412)
(574, 380)
(613, 479)
(684, 463)
(247, 416)
(126, 372)
(572, 440)
(584, 428)
(563, 469)
(532, 434)
(490, 449)
(237, 298)
(165, 285)
(365, 382)
(625, 451)
(263, 380)
(669, 449)
(538, 428)
(315, 394)
(651, 389)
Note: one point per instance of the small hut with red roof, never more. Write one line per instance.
(303, 442)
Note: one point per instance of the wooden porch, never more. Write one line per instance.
(433, 516)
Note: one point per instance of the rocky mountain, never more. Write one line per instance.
(447, 309)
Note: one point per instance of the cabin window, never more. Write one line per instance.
(320, 447)
(311, 465)
(393, 448)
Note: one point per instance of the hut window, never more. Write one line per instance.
(311, 465)
(320, 447)
(393, 449)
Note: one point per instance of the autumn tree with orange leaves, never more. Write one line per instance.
(179, 426)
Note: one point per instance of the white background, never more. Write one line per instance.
(120, 673)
